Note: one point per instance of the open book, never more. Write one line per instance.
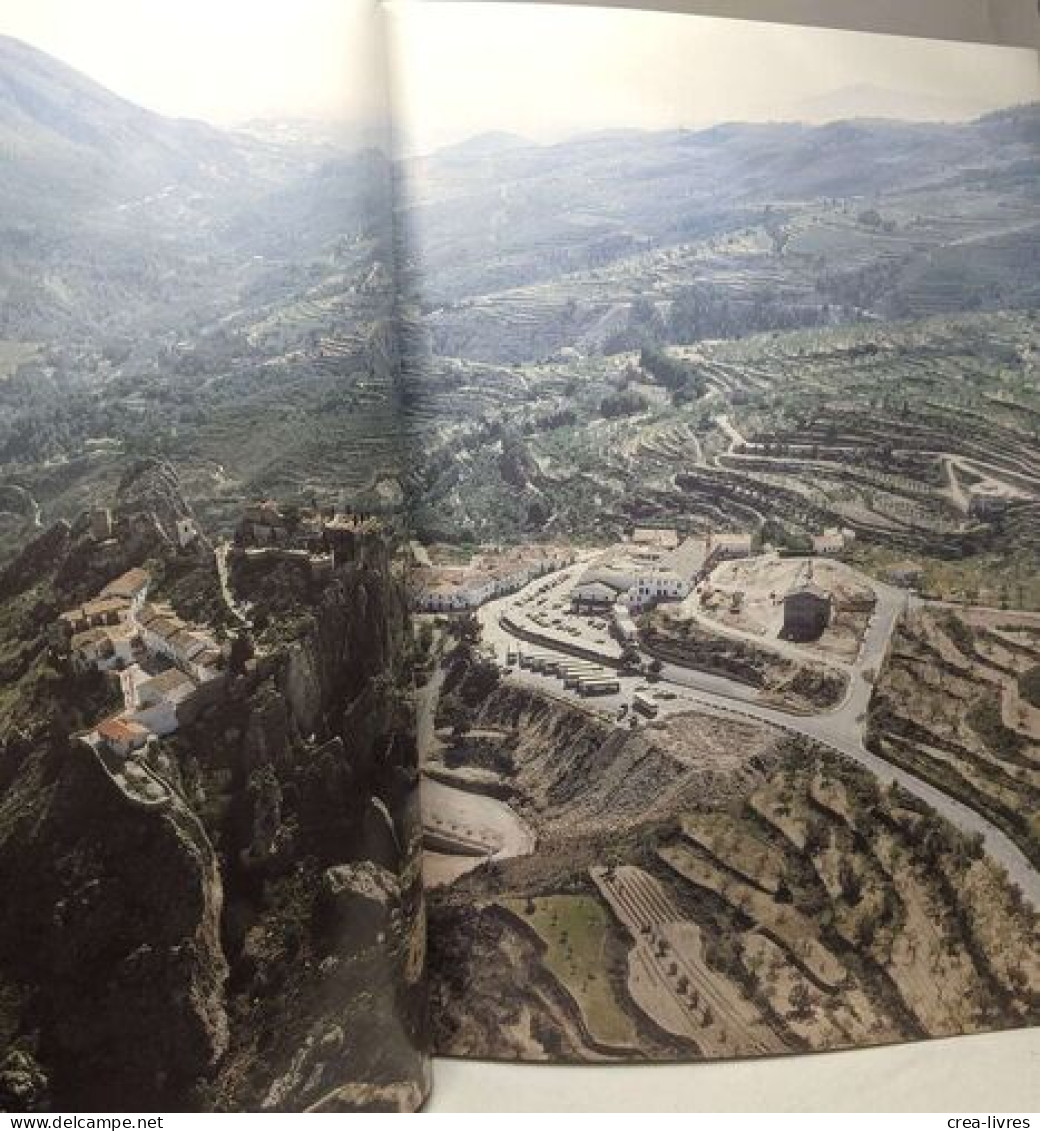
(518, 539)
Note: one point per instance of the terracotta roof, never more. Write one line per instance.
(165, 627)
(167, 683)
(104, 605)
(147, 614)
(604, 575)
(128, 584)
(90, 636)
(119, 729)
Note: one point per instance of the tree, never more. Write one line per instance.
(801, 1001)
(851, 883)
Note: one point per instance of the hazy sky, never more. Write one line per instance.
(221, 60)
(547, 72)
(540, 70)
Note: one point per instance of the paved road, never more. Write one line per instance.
(841, 728)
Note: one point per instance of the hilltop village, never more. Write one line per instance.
(164, 665)
(168, 669)
(210, 725)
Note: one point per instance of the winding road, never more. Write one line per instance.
(842, 728)
(464, 827)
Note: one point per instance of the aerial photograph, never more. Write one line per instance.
(209, 814)
(723, 422)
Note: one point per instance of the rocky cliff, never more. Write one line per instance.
(256, 941)
(112, 921)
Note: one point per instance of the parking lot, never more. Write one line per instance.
(543, 610)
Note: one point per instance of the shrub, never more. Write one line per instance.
(1029, 686)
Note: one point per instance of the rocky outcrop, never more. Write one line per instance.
(112, 914)
(178, 954)
(150, 502)
(362, 898)
(583, 775)
(36, 559)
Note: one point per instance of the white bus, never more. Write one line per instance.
(571, 679)
(599, 687)
(642, 703)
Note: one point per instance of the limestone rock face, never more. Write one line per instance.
(303, 689)
(118, 927)
(363, 881)
(184, 955)
(267, 734)
(151, 502)
(361, 898)
(35, 559)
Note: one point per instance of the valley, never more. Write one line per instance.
(788, 434)
(665, 503)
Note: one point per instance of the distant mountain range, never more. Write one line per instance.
(69, 143)
(102, 201)
(867, 101)
(108, 210)
(491, 207)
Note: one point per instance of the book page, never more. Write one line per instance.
(730, 479)
(209, 869)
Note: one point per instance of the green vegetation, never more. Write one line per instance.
(684, 381)
(929, 717)
(625, 402)
(836, 912)
(576, 931)
(1029, 686)
(960, 634)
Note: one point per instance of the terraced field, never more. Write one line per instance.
(883, 430)
(808, 910)
(949, 707)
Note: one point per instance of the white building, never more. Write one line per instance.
(187, 532)
(190, 648)
(658, 537)
(489, 574)
(92, 648)
(153, 700)
(728, 547)
(131, 587)
(641, 578)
